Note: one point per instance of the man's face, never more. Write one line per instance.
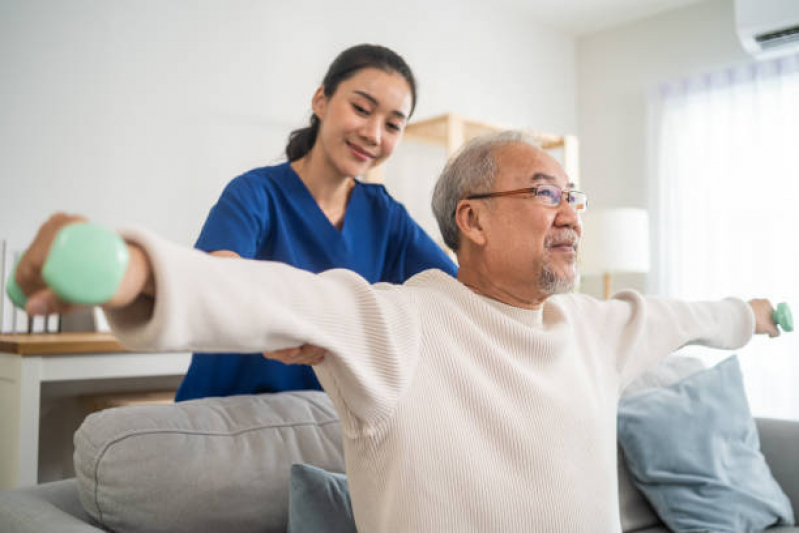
(529, 242)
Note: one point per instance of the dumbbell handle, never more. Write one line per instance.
(85, 265)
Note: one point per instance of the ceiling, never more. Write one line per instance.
(585, 16)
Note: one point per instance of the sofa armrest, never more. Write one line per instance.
(779, 442)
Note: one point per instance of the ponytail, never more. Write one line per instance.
(302, 140)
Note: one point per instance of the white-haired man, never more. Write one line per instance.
(486, 403)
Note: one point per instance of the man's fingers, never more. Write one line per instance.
(45, 302)
(28, 275)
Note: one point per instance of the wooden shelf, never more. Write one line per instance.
(98, 402)
(60, 343)
(451, 131)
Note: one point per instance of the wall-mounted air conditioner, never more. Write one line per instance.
(768, 28)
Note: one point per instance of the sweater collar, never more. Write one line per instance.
(530, 317)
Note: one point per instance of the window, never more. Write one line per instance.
(724, 164)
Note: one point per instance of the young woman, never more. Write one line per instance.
(311, 212)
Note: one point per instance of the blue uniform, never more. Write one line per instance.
(268, 213)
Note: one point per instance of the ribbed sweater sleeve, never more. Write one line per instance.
(211, 304)
(640, 330)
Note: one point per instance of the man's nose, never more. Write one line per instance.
(568, 215)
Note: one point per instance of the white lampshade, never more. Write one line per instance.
(615, 241)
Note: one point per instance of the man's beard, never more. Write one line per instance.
(549, 282)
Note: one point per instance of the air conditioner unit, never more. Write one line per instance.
(768, 28)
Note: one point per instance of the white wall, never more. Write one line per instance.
(616, 68)
(139, 111)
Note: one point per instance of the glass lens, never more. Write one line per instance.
(578, 200)
(548, 194)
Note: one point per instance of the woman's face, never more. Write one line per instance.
(363, 121)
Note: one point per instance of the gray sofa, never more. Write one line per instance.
(222, 464)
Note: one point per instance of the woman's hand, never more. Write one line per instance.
(307, 354)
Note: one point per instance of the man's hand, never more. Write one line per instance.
(42, 300)
(764, 321)
(307, 354)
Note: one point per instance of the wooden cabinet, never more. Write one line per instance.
(45, 375)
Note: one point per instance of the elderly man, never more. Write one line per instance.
(485, 403)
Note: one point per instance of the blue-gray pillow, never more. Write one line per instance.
(693, 450)
(319, 501)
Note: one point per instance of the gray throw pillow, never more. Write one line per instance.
(210, 465)
(319, 501)
(693, 450)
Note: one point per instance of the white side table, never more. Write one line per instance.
(28, 361)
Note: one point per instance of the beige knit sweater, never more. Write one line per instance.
(460, 413)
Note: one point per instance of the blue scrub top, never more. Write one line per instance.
(269, 214)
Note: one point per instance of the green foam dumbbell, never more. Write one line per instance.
(783, 318)
(85, 265)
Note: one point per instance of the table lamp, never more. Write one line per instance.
(614, 241)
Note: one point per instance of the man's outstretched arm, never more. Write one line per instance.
(176, 298)
(642, 330)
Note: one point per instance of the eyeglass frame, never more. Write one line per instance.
(533, 190)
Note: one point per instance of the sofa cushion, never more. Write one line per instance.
(319, 501)
(693, 449)
(636, 512)
(215, 464)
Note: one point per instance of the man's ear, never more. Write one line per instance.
(470, 218)
(319, 102)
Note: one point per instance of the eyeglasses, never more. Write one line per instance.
(549, 195)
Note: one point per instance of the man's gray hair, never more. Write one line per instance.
(472, 170)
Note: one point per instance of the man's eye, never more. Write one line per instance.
(392, 126)
(547, 194)
(359, 109)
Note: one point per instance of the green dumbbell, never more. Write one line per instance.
(783, 318)
(85, 265)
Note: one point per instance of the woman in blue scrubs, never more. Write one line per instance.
(311, 212)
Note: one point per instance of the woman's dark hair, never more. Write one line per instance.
(343, 67)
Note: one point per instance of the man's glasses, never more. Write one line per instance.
(549, 195)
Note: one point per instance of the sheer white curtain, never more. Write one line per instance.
(724, 164)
